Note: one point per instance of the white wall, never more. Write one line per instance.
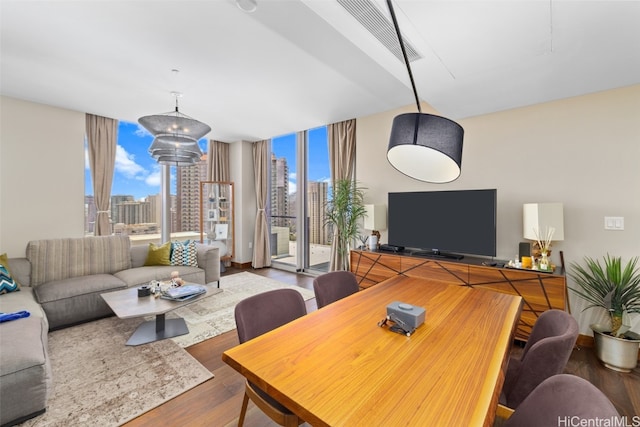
(41, 174)
(582, 151)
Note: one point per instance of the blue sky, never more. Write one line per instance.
(138, 174)
(318, 164)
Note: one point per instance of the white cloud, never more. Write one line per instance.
(154, 178)
(292, 176)
(142, 132)
(126, 164)
(292, 187)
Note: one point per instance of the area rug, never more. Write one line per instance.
(212, 316)
(99, 381)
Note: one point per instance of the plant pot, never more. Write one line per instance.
(615, 353)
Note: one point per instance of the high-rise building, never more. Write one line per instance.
(317, 200)
(279, 192)
(155, 205)
(89, 214)
(115, 202)
(155, 202)
(188, 195)
(132, 212)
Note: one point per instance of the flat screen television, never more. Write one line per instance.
(444, 223)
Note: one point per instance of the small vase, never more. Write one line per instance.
(544, 263)
(373, 242)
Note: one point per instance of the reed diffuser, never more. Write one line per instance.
(544, 243)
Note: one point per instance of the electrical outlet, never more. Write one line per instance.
(614, 223)
(250, 245)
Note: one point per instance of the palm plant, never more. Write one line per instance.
(343, 211)
(611, 287)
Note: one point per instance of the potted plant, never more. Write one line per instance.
(344, 211)
(616, 289)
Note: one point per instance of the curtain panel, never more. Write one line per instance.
(342, 160)
(261, 247)
(102, 137)
(218, 161)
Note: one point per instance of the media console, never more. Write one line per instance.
(540, 291)
(436, 254)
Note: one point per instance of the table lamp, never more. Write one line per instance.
(375, 220)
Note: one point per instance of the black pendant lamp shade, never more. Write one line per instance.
(423, 146)
(426, 147)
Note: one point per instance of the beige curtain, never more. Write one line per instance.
(342, 160)
(102, 137)
(218, 161)
(261, 246)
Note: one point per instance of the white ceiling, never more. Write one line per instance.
(297, 64)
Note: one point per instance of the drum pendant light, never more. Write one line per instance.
(424, 146)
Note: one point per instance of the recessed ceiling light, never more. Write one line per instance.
(247, 5)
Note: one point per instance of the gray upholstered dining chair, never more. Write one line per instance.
(545, 354)
(255, 316)
(562, 397)
(335, 285)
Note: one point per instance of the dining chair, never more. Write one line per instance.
(545, 354)
(563, 400)
(335, 285)
(255, 316)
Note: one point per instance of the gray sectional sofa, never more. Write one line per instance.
(60, 285)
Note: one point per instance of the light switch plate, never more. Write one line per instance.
(614, 223)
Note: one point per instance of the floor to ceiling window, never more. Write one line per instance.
(135, 208)
(299, 187)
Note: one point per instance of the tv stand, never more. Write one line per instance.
(540, 291)
(437, 254)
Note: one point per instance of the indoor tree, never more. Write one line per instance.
(344, 211)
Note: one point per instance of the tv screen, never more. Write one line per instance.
(458, 222)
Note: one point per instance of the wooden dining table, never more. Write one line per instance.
(337, 367)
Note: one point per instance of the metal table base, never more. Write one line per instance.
(158, 329)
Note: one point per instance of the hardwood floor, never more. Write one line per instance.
(217, 402)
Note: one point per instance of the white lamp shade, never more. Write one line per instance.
(376, 217)
(539, 218)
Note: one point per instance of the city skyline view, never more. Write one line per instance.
(137, 174)
(134, 203)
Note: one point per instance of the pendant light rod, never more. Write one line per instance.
(404, 53)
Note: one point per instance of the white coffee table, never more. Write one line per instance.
(126, 304)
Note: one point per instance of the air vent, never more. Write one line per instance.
(374, 21)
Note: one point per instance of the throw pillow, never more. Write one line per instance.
(184, 253)
(159, 255)
(7, 283)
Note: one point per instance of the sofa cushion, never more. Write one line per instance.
(7, 283)
(184, 253)
(68, 288)
(58, 259)
(138, 255)
(71, 301)
(159, 255)
(25, 372)
(25, 300)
